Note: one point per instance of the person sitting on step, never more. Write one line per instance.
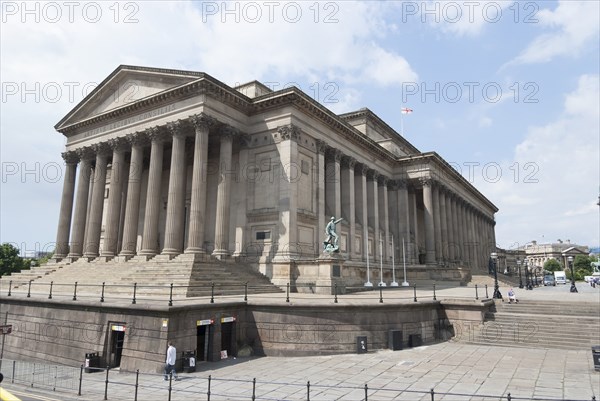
(512, 297)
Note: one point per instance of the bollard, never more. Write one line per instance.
(308, 390)
(287, 293)
(102, 295)
(33, 375)
(254, 389)
(170, 384)
(246, 291)
(106, 385)
(509, 398)
(12, 379)
(434, 297)
(80, 379)
(415, 292)
(29, 289)
(486, 292)
(55, 377)
(335, 301)
(134, 291)
(380, 294)
(476, 293)
(137, 381)
(50, 295)
(366, 393)
(432, 395)
(171, 296)
(208, 390)
(75, 292)
(212, 293)
(9, 287)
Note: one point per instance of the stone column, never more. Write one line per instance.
(463, 231)
(134, 186)
(94, 224)
(449, 225)
(403, 217)
(153, 193)
(333, 185)
(66, 206)
(470, 238)
(429, 222)
(348, 202)
(372, 177)
(384, 216)
(443, 224)
(455, 237)
(113, 209)
(176, 195)
(413, 243)
(224, 193)
(81, 206)
(437, 222)
(365, 210)
(320, 179)
(202, 124)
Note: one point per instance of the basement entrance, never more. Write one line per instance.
(228, 337)
(204, 339)
(117, 338)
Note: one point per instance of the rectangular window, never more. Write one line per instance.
(263, 235)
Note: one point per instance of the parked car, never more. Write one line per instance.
(549, 280)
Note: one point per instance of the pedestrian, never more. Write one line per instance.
(512, 297)
(170, 362)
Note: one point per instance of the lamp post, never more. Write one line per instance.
(528, 283)
(573, 288)
(497, 294)
(520, 277)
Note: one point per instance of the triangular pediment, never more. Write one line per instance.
(126, 85)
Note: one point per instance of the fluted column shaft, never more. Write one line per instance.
(176, 195)
(348, 203)
(198, 201)
(443, 225)
(437, 222)
(223, 195)
(113, 209)
(94, 225)
(455, 236)
(374, 211)
(321, 147)
(450, 242)
(66, 208)
(383, 213)
(364, 212)
(463, 232)
(81, 206)
(403, 216)
(429, 223)
(153, 194)
(132, 206)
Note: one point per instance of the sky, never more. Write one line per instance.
(507, 92)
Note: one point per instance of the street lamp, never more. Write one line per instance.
(528, 279)
(573, 288)
(520, 277)
(497, 294)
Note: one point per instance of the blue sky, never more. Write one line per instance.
(530, 143)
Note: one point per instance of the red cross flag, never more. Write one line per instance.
(406, 110)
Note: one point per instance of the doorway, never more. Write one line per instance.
(117, 339)
(228, 338)
(204, 334)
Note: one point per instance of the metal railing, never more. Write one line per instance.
(133, 386)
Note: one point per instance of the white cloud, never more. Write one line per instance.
(576, 25)
(551, 185)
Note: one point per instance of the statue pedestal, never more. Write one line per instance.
(322, 275)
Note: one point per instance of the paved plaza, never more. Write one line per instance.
(455, 371)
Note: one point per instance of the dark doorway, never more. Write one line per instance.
(228, 338)
(204, 339)
(117, 338)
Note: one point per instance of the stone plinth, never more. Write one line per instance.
(322, 275)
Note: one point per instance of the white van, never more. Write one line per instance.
(560, 277)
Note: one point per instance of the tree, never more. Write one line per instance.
(583, 263)
(552, 265)
(10, 261)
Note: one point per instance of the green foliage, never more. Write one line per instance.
(10, 261)
(583, 263)
(552, 265)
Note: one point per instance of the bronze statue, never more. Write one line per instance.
(331, 243)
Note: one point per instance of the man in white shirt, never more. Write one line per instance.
(170, 362)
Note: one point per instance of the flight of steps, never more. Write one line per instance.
(504, 280)
(538, 324)
(153, 278)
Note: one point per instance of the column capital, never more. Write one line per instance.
(85, 153)
(202, 120)
(118, 144)
(227, 132)
(402, 183)
(176, 128)
(289, 132)
(155, 134)
(137, 138)
(334, 153)
(349, 161)
(383, 181)
(372, 175)
(321, 146)
(426, 181)
(101, 149)
(70, 157)
(364, 169)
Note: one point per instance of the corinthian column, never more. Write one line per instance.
(81, 205)
(224, 193)
(176, 197)
(150, 235)
(202, 124)
(113, 209)
(94, 226)
(429, 222)
(348, 203)
(134, 186)
(66, 206)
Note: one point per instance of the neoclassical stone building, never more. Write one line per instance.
(177, 166)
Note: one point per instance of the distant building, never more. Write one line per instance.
(537, 254)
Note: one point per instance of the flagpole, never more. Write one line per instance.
(381, 283)
(393, 283)
(404, 283)
(368, 283)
